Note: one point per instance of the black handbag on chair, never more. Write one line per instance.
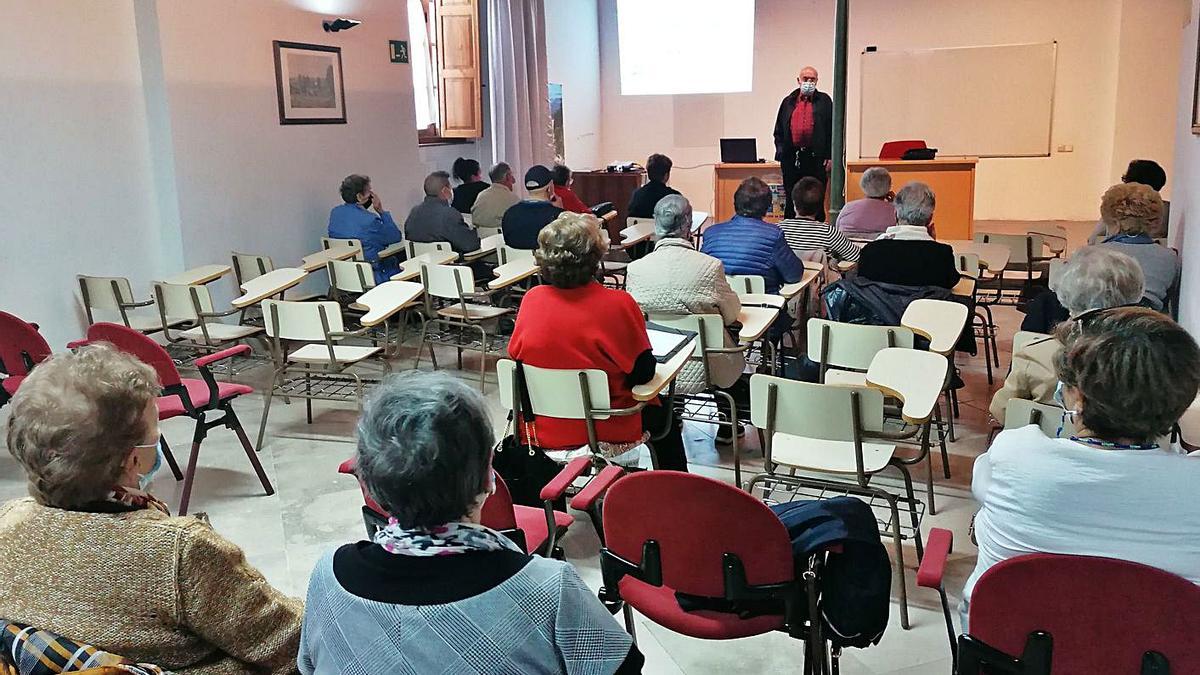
(525, 467)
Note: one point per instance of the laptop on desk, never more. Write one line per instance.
(739, 150)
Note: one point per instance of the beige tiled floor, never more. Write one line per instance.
(315, 509)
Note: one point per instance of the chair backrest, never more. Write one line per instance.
(179, 301)
(554, 392)
(1050, 419)
(350, 276)
(331, 242)
(1102, 614)
(968, 264)
(710, 328)
(449, 282)
(811, 410)
(498, 512)
(696, 521)
(1021, 246)
(21, 345)
(247, 266)
(852, 346)
(896, 149)
(509, 254)
(107, 293)
(416, 248)
(291, 320)
(134, 343)
(744, 284)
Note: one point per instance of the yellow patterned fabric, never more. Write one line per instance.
(25, 650)
(153, 588)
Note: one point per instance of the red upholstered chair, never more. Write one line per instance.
(197, 399)
(533, 529)
(21, 348)
(896, 149)
(669, 532)
(1080, 614)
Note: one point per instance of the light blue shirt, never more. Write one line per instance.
(375, 231)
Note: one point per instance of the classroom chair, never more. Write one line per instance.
(447, 288)
(21, 348)
(107, 298)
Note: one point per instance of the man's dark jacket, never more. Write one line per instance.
(822, 138)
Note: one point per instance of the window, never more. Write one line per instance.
(445, 69)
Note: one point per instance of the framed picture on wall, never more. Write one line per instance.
(308, 81)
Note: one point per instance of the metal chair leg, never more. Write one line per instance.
(232, 421)
(928, 466)
(912, 510)
(189, 476)
(627, 613)
(167, 455)
(942, 439)
(899, 544)
(262, 426)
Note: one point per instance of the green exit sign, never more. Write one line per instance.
(398, 50)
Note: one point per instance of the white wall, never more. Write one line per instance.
(1185, 204)
(76, 191)
(573, 60)
(791, 33)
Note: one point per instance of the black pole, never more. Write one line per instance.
(837, 180)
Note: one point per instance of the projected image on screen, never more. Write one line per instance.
(685, 46)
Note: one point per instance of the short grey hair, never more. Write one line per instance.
(75, 420)
(914, 205)
(1098, 278)
(435, 183)
(876, 182)
(424, 448)
(499, 172)
(672, 216)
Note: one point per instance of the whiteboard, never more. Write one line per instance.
(988, 101)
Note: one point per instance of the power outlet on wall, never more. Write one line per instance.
(1066, 148)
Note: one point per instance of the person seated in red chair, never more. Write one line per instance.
(573, 322)
(93, 556)
(449, 594)
(567, 198)
(1111, 489)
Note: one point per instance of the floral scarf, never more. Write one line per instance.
(136, 499)
(448, 539)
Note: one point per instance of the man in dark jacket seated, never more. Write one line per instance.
(907, 254)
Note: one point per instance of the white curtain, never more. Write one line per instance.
(424, 86)
(520, 105)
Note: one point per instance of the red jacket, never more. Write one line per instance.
(569, 200)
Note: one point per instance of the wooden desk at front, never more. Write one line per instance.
(726, 179)
(952, 180)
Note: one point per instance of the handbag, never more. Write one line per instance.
(525, 467)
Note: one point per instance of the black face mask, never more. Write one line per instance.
(367, 204)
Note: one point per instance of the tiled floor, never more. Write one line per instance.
(315, 509)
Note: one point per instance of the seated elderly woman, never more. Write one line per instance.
(1094, 278)
(1131, 211)
(435, 591)
(572, 322)
(870, 216)
(906, 254)
(1128, 374)
(678, 279)
(94, 558)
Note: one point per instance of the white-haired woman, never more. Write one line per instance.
(93, 557)
(870, 216)
(1094, 278)
(435, 591)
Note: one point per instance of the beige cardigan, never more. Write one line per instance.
(156, 589)
(1032, 377)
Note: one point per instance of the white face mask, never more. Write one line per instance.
(808, 88)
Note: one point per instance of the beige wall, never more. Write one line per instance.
(1185, 203)
(573, 60)
(790, 33)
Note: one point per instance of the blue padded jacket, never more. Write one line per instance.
(752, 247)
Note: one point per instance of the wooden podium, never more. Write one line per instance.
(952, 180)
(727, 178)
(594, 187)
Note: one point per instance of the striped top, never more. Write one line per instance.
(804, 234)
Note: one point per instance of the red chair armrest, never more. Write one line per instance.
(556, 487)
(221, 355)
(933, 565)
(596, 487)
(348, 466)
(76, 344)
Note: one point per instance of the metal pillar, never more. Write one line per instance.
(837, 176)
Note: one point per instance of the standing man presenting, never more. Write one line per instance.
(803, 136)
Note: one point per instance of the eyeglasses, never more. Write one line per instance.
(147, 445)
(1085, 318)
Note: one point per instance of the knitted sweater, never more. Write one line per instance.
(676, 278)
(155, 589)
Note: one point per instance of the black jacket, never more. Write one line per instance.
(644, 199)
(908, 262)
(822, 126)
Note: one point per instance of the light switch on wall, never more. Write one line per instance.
(1066, 148)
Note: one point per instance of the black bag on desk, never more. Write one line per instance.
(525, 467)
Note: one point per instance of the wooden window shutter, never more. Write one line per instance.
(459, 95)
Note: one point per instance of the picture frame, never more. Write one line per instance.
(308, 83)
(1196, 91)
